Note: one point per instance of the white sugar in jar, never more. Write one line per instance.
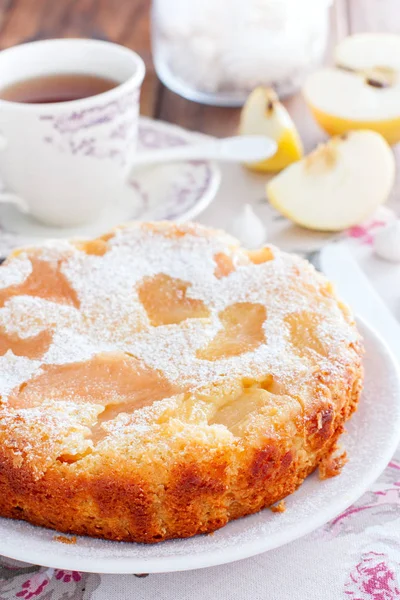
(217, 51)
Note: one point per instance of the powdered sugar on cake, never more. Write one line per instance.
(15, 273)
(111, 318)
(14, 370)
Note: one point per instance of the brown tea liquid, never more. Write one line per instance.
(57, 88)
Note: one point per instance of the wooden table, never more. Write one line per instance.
(127, 22)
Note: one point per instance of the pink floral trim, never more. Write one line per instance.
(364, 233)
(27, 582)
(373, 578)
(388, 496)
(33, 587)
(68, 576)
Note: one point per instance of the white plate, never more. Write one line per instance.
(373, 434)
(178, 191)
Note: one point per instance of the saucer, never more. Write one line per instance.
(178, 191)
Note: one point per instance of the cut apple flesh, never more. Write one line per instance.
(338, 185)
(242, 331)
(236, 413)
(353, 96)
(116, 379)
(363, 91)
(165, 301)
(263, 114)
(363, 51)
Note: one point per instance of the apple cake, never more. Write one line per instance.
(160, 381)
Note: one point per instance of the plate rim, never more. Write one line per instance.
(223, 555)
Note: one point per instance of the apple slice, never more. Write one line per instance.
(338, 185)
(366, 52)
(363, 91)
(263, 114)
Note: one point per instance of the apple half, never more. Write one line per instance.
(263, 114)
(363, 90)
(338, 185)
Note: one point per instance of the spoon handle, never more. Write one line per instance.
(234, 149)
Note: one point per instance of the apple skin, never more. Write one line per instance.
(264, 114)
(334, 125)
(290, 150)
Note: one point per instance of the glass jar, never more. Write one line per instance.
(218, 51)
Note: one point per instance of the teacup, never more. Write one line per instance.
(63, 162)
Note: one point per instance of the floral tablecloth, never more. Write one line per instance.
(356, 556)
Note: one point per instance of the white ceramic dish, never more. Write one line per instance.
(373, 434)
(178, 191)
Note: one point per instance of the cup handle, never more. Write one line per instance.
(7, 196)
(11, 198)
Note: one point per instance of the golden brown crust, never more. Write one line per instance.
(188, 464)
(197, 498)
